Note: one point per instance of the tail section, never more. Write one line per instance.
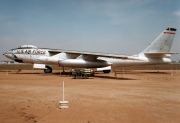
(162, 44)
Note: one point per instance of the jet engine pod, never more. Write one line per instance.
(80, 63)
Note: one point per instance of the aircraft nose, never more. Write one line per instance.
(4, 54)
(8, 55)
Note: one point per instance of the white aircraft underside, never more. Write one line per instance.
(158, 52)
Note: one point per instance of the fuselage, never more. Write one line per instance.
(35, 55)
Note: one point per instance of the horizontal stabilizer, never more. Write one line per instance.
(159, 55)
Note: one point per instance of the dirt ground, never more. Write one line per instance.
(134, 97)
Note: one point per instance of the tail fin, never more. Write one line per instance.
(162, 44)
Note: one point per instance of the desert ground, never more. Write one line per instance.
(136, 96)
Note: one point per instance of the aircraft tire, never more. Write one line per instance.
(106, 71)
(48, 69)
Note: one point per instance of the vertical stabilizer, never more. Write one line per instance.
(163, 43)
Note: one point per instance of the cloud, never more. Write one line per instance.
(177, 13)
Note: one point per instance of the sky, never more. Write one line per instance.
(106, 26)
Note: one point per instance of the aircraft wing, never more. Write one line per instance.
(88, 55)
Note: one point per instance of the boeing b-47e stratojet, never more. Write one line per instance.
(158, 52)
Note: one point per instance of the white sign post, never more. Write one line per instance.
(63, 104)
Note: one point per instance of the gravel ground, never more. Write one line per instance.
(136, 96)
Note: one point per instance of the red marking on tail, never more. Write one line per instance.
(169, 32)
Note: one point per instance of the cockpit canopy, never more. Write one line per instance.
(28, 47)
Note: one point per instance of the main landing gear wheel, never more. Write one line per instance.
(106, 71)
(48, 69)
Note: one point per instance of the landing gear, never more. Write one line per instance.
(106, 71)
(48, 69)
(63, 72)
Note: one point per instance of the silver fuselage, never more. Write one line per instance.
(42, 56)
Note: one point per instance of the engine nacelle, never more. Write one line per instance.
(80, 63)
